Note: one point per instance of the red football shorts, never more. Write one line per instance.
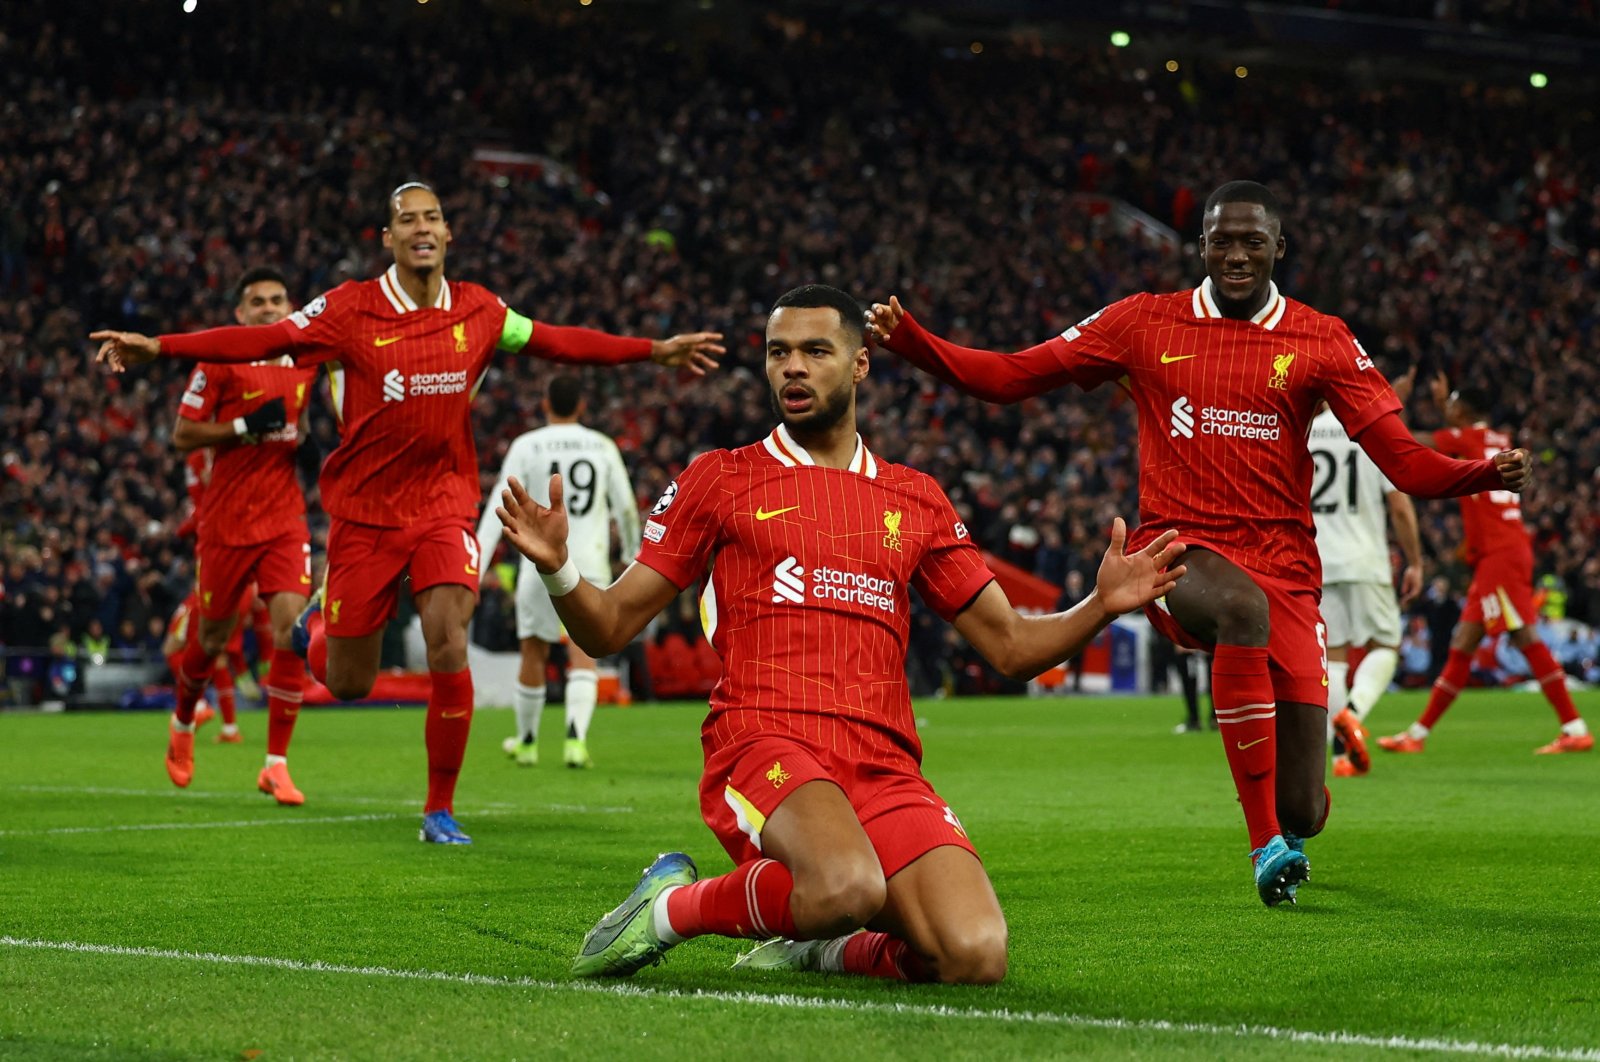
(223, 574)
(1501, 595)
(365, 564)
(744, 782)
(1297, 648)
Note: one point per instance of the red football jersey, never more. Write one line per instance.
(1225, 407)
(1493, 519)
(402, 379)
(251, 493)
(806, 596)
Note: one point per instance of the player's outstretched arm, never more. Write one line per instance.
(1421, 473)
(235, 343)
(1020, 647)
(986, 374)
(601, 622)
(696, 351)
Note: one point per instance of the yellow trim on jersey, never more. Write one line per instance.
(1508, 611)
(751, 822)
(335, 379)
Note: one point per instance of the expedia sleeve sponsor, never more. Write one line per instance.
(1239, 423)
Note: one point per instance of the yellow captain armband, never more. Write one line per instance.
(515, 333)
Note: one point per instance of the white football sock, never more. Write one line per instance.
(1338, 695)
(1417, 731)
(658, 916)
(1372, 679)
(1576, 728)
(529, 705)
(583, 692)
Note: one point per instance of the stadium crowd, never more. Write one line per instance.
(693, 179)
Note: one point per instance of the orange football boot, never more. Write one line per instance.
(275, 782)
(203, 714)
(1343, 768)
(1566, 743)
(180, 757)
(1354, 736)
(235, 737)
(1401, 742)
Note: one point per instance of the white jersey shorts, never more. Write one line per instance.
(536, 613)
(1356, 613)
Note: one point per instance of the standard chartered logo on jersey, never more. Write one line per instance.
(396, 385)
(790, 583)
(1229, 423)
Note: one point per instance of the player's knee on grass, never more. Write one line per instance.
(838, 900)
(971, 955)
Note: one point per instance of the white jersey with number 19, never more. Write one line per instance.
(1348, 505)
(596, 492)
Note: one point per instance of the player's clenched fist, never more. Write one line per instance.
(1515, 468)
(539, 532)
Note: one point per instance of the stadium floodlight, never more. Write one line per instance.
(1538, 80)
(1172, 66)
(1121, 39)
(189, 6)
(1241, 71)
(976, 47)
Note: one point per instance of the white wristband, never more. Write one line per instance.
(563, 580)
(240, 427)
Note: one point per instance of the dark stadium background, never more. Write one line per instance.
(649, 167)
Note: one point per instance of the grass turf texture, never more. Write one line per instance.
(1454, 898)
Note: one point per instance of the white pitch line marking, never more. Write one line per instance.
(241, 795)
(794, 1002)
(135, 827)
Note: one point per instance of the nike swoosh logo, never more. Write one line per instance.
(1168, 359)
(763, 514)
(463, 714)
(386, 342)
(1239, 744)
(248, 395)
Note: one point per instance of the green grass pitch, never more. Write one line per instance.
(1454, 906)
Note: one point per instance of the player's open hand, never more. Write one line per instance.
(1405, 385)
(1132, 580)
(538, 531)
(696, 351)
(122, 349)
(1515, 468)
(884, 318)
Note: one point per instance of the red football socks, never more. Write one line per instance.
(880, 955)
(1247, 718)
(1457, 670)
(227, 703)
(286, 677)
(1552, 680)
(192, 677)
(449, 722)
(751, 901)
